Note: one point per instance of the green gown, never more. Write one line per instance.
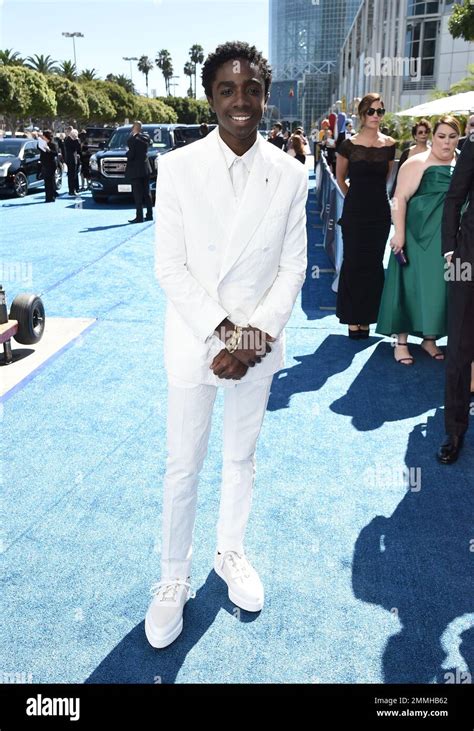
(414, 298)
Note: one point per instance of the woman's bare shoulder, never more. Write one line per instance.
(417, 161)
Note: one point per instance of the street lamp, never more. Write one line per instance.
(174, 83)
(130, 58)
(74, 35)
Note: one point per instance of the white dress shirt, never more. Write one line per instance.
(239, 167)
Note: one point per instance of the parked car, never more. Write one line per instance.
(98, 137)
(20, 169)
(190, 133)
(108, 165)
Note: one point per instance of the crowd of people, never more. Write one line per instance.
(69, 151)
(422, 275)
(295, 143)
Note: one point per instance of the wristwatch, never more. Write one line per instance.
(234, 340)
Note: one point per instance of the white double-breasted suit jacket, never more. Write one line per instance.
(214, 260)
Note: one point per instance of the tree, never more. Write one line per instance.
(68, 69)
(24, 94)
(70, 98)
(9, 57)
(190, 111)
(399, 128)
(466, 84)
(461, 22)
(196, 54)
(189, 70)
(101, 108)
(88, 75)
(122, 81)
(122, 100)
(145, 65)
(163, 61)
(43, 64)
(154, 110)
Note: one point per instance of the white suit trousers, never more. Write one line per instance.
(189, 424)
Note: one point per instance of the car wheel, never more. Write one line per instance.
(28, 309)
(58, 178)
(100, 198)
(20, 184)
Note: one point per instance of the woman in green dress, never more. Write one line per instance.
(414, 298)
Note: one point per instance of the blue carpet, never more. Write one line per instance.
(364, 543)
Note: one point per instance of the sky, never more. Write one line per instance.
(116, 28)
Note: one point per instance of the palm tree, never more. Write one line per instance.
(43, 64)
(145, 65)
(196, 54)
(122, 81)
(9, 57)
(89, 75)
(189, 70)
(163, 61)
(68, 70)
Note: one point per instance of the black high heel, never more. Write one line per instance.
(353, 334)
(363, 333)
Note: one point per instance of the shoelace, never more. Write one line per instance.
(238, 564)
(167, 590)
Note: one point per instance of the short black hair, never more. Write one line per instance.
(228, 52)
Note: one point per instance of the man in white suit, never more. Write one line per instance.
(231, 259)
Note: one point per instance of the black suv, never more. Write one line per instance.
(20, 168)
(98, 137)
(108, 165)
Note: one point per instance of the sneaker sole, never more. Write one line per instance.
(159, 642)
(255, 606)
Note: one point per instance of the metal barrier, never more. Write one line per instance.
(330, 201)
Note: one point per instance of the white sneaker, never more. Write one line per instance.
(164, 618)
(245, 587)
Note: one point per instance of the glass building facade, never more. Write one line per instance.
(305, 41)
(403, 50)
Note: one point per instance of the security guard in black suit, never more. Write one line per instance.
(138, 171)
(458, 248)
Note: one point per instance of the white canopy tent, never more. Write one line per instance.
(458, 103)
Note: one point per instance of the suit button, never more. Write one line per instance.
(265, 248)
(211, 247)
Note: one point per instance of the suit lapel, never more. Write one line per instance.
(259, 191)
(216, 181)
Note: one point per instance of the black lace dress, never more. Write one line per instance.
(365, 223)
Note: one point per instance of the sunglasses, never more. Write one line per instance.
(371, 111)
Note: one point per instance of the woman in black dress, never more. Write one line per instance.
(366, 159)
(421, 133)
(49, 163)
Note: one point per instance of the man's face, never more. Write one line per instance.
(238, 98)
